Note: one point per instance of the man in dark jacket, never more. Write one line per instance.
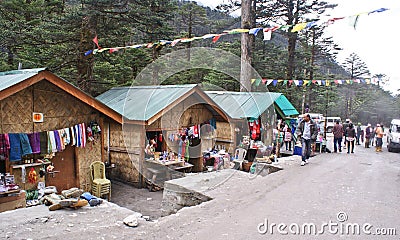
(307, 131)
(345, 125)
(337, 136)
(367, 135)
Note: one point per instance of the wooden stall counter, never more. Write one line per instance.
(12, 199)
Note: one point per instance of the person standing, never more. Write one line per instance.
(359, 133)
(288, 138)
(350, 132)
(367, 135)
(337, 136)
(307, 132)
(372, 138)
(345, 125)
(379, 135)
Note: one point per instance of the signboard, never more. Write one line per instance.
(37, 117)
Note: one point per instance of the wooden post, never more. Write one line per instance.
(245, 66)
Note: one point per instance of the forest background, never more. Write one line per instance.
(56, 34)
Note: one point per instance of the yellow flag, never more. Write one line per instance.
(299, 26)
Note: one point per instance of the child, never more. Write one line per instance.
(288, 138)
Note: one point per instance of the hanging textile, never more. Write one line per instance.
(183, 149)
(25, 145)
(58, 140)
(78, 136)
(73, 139)
(4, 145)
(187, 151)
(67, 136)
(83, 134)
(51, 142)
(213, 123)
(43, 143)
(62, 138)
(34, 141)
(15, 147)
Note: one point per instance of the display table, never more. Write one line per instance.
(158, 171)
(178, 165)
(12, 199)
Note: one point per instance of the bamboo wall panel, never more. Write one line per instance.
(17, 112)
(124, 139)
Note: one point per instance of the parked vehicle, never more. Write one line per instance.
(330, 122)
(317, 117)
(393, 137)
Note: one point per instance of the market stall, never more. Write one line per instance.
(50, 131)
(178, 121)
(254, 116)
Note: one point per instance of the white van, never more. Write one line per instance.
(317, 117)
(330, 122)
(393, 138)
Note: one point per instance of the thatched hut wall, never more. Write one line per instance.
(125, 144)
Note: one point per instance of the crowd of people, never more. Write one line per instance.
(356, 136)
(345, 136)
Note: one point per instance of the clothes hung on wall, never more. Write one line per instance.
(194, 131)
(255, 128)
(16, 145)
(4, 146)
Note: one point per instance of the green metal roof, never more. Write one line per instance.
(250, 104)
(243, 104)
(143, 102)
(11, 78)
(285, 106)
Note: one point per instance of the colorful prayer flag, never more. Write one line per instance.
(299, 27)
(96, 41)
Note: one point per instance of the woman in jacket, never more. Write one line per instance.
(351, 136)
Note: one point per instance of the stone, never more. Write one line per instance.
(72, 193)
(68, 202)
(50, 190)
(131, 221)
(80, 203)
(55, 206)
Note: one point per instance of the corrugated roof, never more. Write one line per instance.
(143, 102)
(286, 107)
(10, 78)
(243, 104)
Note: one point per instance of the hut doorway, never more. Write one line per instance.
(65, 163)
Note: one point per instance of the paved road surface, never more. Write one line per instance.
(360, 189)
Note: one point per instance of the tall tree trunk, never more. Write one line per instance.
(10, 56)
(313, 52)
(156, 68)
(85, 63)
(245, 68)
(190, 29)
(291, 55)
